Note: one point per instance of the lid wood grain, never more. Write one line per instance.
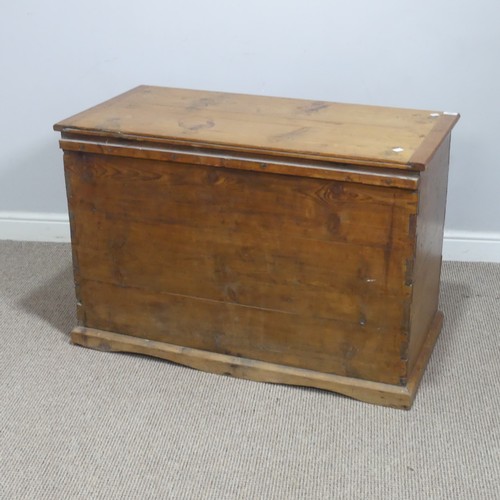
(295, 128)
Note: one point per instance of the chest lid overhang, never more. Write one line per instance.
(374, 136)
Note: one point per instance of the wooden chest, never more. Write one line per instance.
(278, 240)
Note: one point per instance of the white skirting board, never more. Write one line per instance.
(34, 226)
(469, 246)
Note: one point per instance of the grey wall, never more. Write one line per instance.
(59, 57)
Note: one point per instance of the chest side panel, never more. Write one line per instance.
(292, 270)
(429, 244)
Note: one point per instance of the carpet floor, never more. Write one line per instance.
(81, 424)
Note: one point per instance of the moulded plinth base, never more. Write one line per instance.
(395, 396)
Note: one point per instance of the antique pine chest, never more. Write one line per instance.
(278, 240)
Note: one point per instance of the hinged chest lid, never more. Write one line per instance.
(300, 129)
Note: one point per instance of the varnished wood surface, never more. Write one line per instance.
(395, 396)
(367, 135)
(428, 250)
(302, 271)
(258, 163)
(271, 239)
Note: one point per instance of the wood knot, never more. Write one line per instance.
(194, 126)
(336, 188)
(313, 107)
(333, 224)
(213, 177)
(231, 293)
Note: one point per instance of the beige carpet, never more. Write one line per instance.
(77, 423)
